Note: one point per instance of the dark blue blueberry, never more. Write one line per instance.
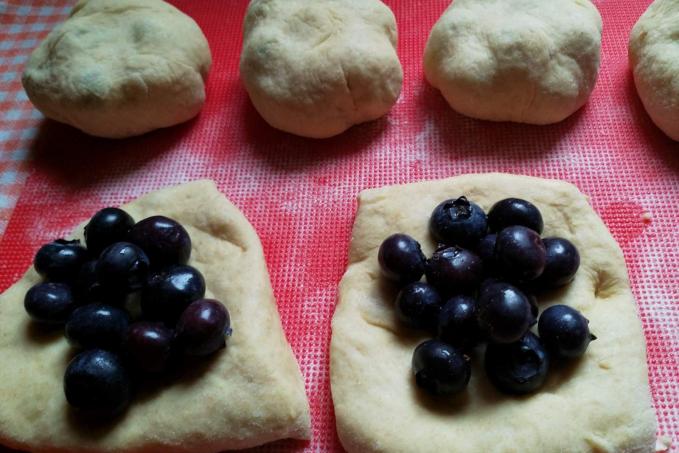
(418, 306)
(170, 291)
(149, 346)
(164, 240)
(86, 287)
(485, 249)
(514, 211)
(487, 284)
(458, 222)
(504, 312)
(49, 303)
(97, 326)
(401, 259)
(564, 331)
(96, 381)
(122, 267)
(453, 270)
(520, 254)
(534, 307)
(441, 369)
(106, 227)
(562, 262)
(202, 328)
(60, 260)
(517, 368)
(457, 323)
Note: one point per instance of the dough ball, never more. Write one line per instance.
(316, 68)
(120, 68)
(654, 58)
(528, 61)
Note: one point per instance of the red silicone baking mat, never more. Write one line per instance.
(300, 194)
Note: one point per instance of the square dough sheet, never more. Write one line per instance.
(248, 394)
(600, 403)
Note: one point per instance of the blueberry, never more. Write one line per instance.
(401, 259)
(517, 368)
(122, 267)
(562, 262)
(457, 324)
(418, 306)
(487, 284)
(458, 222)
(108, 226)
(60, 260)
(453, 270)
(202, 327)
(534, 307)
(485, 249)
(170, 291)
(564, 331)
(97, 381)
(520, 254)
(86, 287)
(441, 369)
(97, 326)
(49, 303)
(514, 211)
(504, 312)
(164, 240)
(149, 345)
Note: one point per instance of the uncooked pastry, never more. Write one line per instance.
(600, 404)
(120, 68)
(527, 61)
(315, 68)
(250, 393)
(654, 58)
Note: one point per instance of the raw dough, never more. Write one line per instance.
(251, 393)
(601, 404)
(654, 58)
(528, 61)
(316, 68)
(120, 68)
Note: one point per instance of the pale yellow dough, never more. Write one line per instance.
(600, 404)
(527, 61)
(654, 60)
(316, 68)
(118, 68)
(250, 393)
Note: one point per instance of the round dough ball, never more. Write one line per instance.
(316, 68)
(654, 58)
(528, 61)
(118, 69)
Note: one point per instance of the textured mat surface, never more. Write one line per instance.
(300, 194)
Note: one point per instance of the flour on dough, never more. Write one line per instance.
(654, 59)
(527, 61)
(316, 68)
(120, 68)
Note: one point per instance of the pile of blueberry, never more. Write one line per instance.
(130, 305)
(480, 285)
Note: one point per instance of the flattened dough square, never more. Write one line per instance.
(599, 404)
(249, 394)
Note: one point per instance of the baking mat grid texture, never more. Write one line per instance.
(300, 194)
